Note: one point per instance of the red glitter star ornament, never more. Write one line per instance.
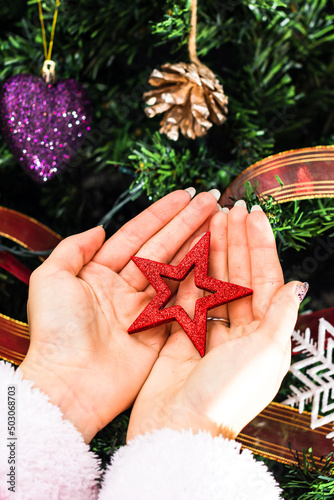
(154, 313)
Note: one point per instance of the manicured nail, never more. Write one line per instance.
(191, 191)
(225, 210)
(240, 203)
(256, 208)
(301, 290)
(215, 193)
(100, 225)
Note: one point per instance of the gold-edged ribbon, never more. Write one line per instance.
(279, 426)
(31, 234)
(298, 174)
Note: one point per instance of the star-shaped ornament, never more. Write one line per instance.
(154, 313)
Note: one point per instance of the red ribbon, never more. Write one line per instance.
(26, 231)
(31, 234)
(14, 267)
(305, 174)
(270, 433)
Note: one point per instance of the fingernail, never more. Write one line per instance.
(301, 290)
(191, 191)
(216, 193)
(256, 208)
(225, 210)
(240, 203)
(100, 225)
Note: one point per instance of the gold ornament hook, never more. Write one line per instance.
(48, 71)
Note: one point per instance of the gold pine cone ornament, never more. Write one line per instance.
(191, 97)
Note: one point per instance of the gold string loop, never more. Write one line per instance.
(48, 71)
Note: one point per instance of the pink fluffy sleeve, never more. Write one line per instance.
(176, 465)
(51, 459)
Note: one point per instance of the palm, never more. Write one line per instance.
(238, 363)
(82, 334)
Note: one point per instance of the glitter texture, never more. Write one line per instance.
(44, 124)
(301, 291)
(154, 313)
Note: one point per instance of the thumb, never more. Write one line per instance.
(72, 253)
(281, 316)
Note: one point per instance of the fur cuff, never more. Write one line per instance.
(176, 465)
(52, 460)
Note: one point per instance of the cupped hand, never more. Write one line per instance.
(244, 363)
(83, 299)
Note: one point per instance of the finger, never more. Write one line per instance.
(267, 275)
(239, 265)
(203, 228)
(119, 249)
(286, 362)
(173, 285)
(218, 256)
(163, 246)
(74, 252)
(281, 316)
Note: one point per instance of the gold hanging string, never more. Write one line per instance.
(47, 53)
(192, 41)
(192, 36)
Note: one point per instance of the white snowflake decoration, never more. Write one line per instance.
(316, 372)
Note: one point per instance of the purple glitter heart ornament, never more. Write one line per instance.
(43, 124)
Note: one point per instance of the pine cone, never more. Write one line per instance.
(192, 97)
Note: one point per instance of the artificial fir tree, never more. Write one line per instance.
(275, 61)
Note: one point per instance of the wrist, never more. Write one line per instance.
(62, 395)
(200, 423)
(195, 426)
(173, 413)
(186, 415)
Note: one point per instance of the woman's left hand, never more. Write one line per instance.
(244, 363)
